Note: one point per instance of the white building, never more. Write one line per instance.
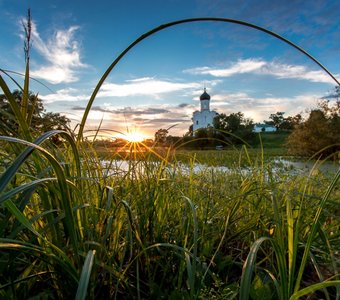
(205, 117)
(264, 128)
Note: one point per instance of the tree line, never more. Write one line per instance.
(317, 134)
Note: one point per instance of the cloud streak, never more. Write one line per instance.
(144, 86)
(62, 54)
(69, 94)
(262, 67)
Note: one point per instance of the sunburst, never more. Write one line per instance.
(134, 137)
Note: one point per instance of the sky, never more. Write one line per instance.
(157, 84)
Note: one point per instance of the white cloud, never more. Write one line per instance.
(62, 53)
(261, 67)
(241, 66)
(64, 95)
(296, 72)
(259, 109)
(144, 86)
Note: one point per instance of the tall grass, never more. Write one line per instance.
(294, 234)
(72, 226)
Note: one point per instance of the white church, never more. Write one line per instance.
(205, 117)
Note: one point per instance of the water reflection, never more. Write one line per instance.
(326, 167)
(123, 167)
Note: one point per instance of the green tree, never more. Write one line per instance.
(276, 120)
(160, 136)
(234, 128)
(190, 131)
(320, 133)
(291, 122)
(233, 122)
(205, 137)
(40, 121)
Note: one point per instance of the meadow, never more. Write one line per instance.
(159, 232)
(72, 227)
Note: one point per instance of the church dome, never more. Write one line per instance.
(205, 96)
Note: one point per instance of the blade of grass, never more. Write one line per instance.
(70, 223)
(314, 229)
(25, 279)
(15, 108)
(85, 276)
(42, 253)
(319, 273)
(191, 268)
(249, 265)
(226, 227)
(313, 288)
(290, 242)
(24, 187)
(21, 217)
(143, 251)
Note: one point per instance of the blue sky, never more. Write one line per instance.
(158, 83)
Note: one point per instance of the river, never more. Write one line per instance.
(279, 164)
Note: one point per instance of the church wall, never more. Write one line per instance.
(203, 119)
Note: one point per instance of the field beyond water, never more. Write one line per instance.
(270, 146)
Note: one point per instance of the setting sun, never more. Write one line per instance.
(134, 137)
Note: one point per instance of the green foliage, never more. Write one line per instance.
(319, 135)
(291, 122)
(160, 136)
(276, 120)
(205, 137)
(38, 120)
(232, 123)
(282, 123)
(234, 128)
